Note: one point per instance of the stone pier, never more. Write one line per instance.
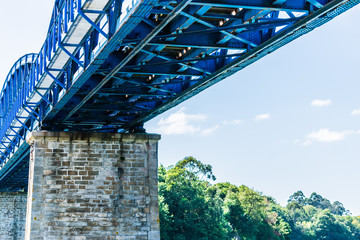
(92, 186)
(12, 215)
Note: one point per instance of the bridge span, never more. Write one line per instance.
(105, 68)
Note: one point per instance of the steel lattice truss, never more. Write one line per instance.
(111, 65)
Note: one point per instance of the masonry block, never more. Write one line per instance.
(92, 186)
(12, 215)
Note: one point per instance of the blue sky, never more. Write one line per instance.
(288, 122)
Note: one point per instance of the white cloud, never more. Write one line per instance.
(325, 135)
(262, 117)
(180, 123)
(183, 123)
(355, 112)
(321, 103)
(208, 131)
(233, 122)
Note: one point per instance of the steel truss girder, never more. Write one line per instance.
(304, 26)
(268, 5)
(129, 73)
(263, 24)
(156, 80)
(197, 19)
(151, 87)
(148, 72)
(109, 47)
(136, 50)
(170, 59)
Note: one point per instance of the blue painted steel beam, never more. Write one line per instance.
(93, 24)
(318, 18)
(143, 8)
(148, 38)
(315, 3)
(298, 6)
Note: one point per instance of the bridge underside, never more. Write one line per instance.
(15, 176)
(176, 50)
(110, 66)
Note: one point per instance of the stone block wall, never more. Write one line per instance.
(92, 186)
(12, 215)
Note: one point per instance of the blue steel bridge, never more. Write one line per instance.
(111, 65)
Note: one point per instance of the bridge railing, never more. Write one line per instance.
(12, 96)
(21, 84)
(14, 81)
(23, 93)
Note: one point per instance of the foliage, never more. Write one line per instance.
(186, 208)
(193, 208)
(298, 199)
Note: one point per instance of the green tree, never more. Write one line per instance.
(186, 209)
(193, 208)
(298, 197)
(327, 227)
(318, 201)
(241, 223)
(338, 208)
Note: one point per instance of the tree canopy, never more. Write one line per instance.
(193, 207)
